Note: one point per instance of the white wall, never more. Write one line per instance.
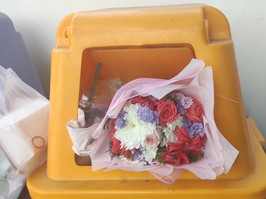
(37, 21)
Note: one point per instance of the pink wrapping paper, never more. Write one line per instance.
(194, 80)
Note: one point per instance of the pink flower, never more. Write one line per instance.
(152, 141)
(167, 111)
(195, 112)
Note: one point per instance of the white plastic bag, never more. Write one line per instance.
(23, 123)
(11, 183)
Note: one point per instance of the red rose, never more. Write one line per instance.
(176, 159)
(183, 143)
(182, 135)
(169, 159)
(184, 149)
(167, 111)
(145, 101)
(198, 144)
(116, 144)
(195, 112)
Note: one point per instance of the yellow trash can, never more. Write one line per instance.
(143, 42)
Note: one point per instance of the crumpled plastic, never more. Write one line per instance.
(11, 183)
(82, 140)
(23, 123)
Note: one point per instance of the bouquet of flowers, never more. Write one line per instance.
(149, 131)
(164, 127)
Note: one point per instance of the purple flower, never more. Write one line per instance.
(138, 155)
(186, 102)
(195, 129)
(177, 96)
(148, 115)
(180, 108)
(187, 123)
(120, 120)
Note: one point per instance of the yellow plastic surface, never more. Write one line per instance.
(145, 42)
(248, 187)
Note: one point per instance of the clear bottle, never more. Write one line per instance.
(86, 105)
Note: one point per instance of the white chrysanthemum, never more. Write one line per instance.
(169, 135)
(133, 135)
(150, 155)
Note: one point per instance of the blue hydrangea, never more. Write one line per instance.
(196, 129)
(138, 155)
(187, 123)
(120, 120)
(180, 108)
(148, 115)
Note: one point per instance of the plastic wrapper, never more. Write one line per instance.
(90, 114)
(23, 123)
(11, 183)
(215, 155)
